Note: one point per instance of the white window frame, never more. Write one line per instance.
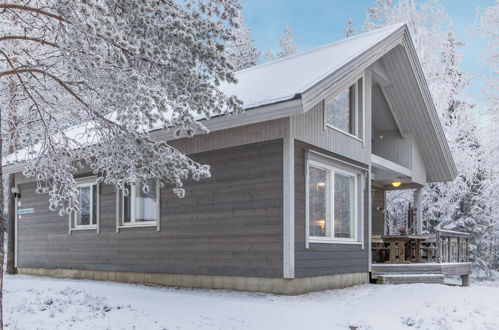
(80, 183)
(357, 205)
(359, 113)
(120, 220)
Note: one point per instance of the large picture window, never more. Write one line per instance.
(88, 197)
(333, 203)
(344, 111)
(140, 207)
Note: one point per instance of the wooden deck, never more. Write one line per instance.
(421, 260)
(420, 272)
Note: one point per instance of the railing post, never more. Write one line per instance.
(439, 247)
(466, 249)
(459, 249)
(449, 248)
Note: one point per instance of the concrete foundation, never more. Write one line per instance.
(256, 284)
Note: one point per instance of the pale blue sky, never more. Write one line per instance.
(318, 22)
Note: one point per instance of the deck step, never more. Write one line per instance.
(410, 278)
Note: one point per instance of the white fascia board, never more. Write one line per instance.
(247, 117)
(348, 72)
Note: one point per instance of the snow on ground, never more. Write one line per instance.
(45, 303)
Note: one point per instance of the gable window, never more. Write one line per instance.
(333, 196)
(141, 206)
(88, 197)
(344, 110)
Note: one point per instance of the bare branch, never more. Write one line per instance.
(43, 42)
(32, 9)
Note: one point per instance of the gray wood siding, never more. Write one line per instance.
(392, 146)
(230, 224)
(231, 137)
(323, 258)
(310, 128)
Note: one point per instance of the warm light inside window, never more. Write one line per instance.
(321, 223)
(396, 183)
(321, 184)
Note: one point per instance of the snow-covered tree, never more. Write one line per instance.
(459, 204)
(240, 52)
(90, 79)
(349, 29)
(268, 56)
(287, 43)
(488, 30)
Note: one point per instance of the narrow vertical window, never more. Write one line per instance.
(344, 199)
(88, 198)
(318, 197)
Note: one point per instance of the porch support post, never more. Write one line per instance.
(418, 197)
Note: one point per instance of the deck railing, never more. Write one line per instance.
(452, 246)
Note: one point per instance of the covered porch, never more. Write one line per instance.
(400, 252)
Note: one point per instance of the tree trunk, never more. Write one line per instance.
(11, 235)
(1, 234)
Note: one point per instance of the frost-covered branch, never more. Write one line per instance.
(89, 80)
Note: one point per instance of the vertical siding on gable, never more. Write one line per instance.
(230, 224)
(310, 128)
(324, 258)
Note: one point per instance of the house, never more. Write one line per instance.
(296, 187)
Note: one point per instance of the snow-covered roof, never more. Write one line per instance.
(292, 85)
(283, 79)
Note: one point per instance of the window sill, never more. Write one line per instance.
(346, 133)
(83, 228)
(135, 225)
(333, 241)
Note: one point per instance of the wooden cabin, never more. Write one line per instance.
(297, 187)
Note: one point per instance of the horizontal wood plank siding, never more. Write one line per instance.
(230, 224)
(323, 259)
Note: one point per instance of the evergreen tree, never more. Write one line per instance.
(89, 80)
(349, 29)
(287, 43)
(268, 56)
(240, 51)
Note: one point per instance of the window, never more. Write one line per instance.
(333, 203)
(344, 111)
(141, 206)
(88, 215)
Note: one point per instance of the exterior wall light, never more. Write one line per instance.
(396, 183)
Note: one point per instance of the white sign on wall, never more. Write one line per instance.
(26, 211)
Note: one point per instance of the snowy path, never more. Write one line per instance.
(46, 303)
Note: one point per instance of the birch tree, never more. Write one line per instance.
(287, 43)
(90, 79)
